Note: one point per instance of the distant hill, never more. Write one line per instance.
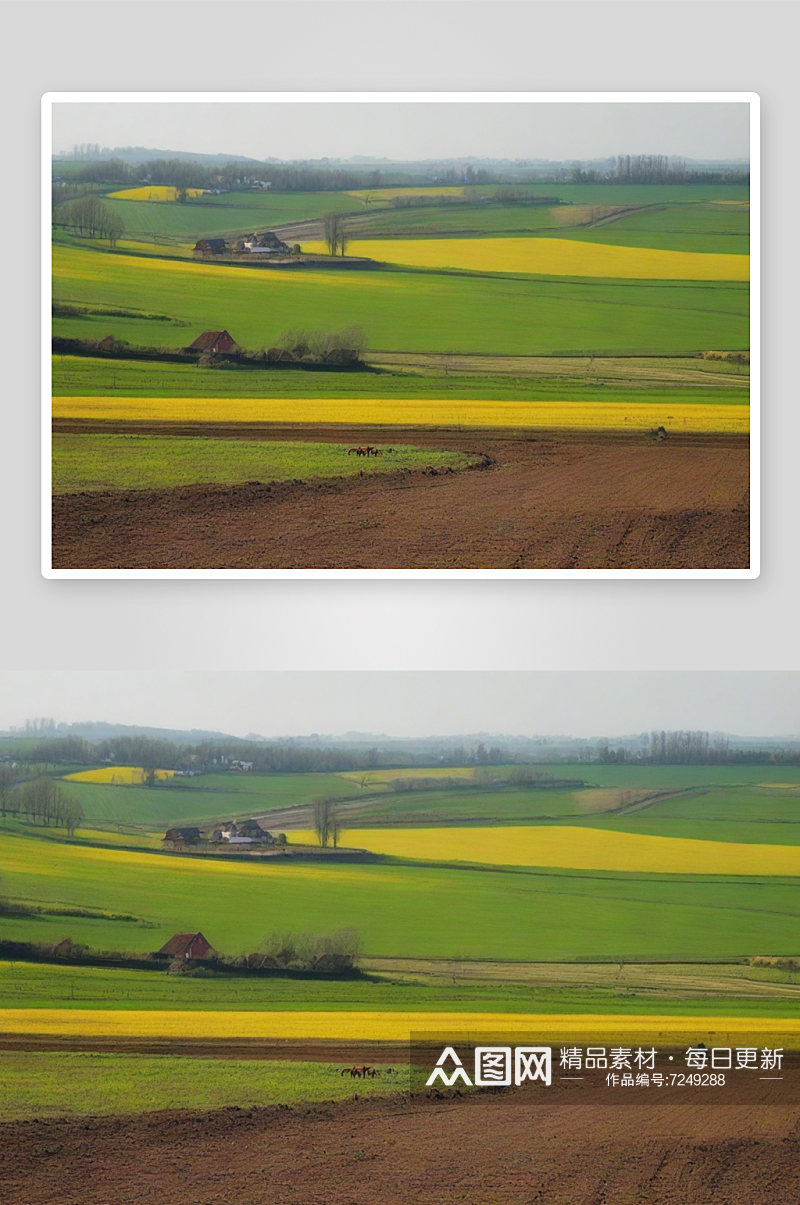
(143, 154)
(98, 730)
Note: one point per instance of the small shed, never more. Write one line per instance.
(214, 343)
(186, 945)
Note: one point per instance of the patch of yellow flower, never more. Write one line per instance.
(389, 194)
(116, 775)
(393, 1026)
(577, 848)
(153, 192)
(551, 257)
(381, 777)
(413, 412)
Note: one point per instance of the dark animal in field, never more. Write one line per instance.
(368, 450)
(661, 433)
(360, 1072)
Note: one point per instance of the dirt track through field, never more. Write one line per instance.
(548, 501)
(488, 1150)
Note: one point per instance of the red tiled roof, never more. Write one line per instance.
(180, 943)
(206, 340)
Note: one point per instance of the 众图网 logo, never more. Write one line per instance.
(495, 1067)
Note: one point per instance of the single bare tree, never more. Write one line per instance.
(323, 819)
(332, 230)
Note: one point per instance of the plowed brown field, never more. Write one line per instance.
(484, 1150)
(551, 501)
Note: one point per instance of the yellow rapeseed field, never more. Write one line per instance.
(153, 192)
(412, 412)
(388, 194)
(551, 257)
(575, 848)
(385, 776)
(394, 1026)
(124, 775)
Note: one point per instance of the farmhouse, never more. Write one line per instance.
(262, 244)
(245, 832)
(214, 343)
(186, 945)
(253, 830)
(210, 246)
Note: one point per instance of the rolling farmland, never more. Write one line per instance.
(594, 915)
(596, 313)
(402, 310)
(594, 891)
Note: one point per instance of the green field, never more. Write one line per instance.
(636, 194)
(456, 219)
(233, 213)
(400, 909)
(209, 797)
(649, 777)
(721, 800)
(400, 310)
(239, 212)
(136, 462)
(83, 376)
(670, 227)
(451, 986)
(52, 1084)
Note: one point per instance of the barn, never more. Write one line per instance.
(214, 343)
(183, 836)
(210, 246)
(186, 945)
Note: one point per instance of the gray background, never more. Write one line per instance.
(566, 46)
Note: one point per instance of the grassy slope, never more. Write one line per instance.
(505, 806)
(241, 211)
(121, 462)
(210, 797)
(226, 215)
(656, 777)
(719, 814)
(704, 228)
(400, 310)
(638, 194)
(400, 909)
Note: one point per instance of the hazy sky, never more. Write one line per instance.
(412, 704)
(411, 130)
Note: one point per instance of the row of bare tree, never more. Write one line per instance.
(335, 233)
(327, 824)
(40, 801)
(89, 217)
